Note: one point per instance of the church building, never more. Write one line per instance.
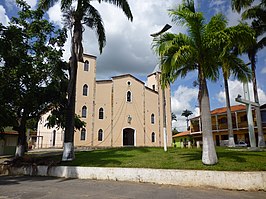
(122, 111)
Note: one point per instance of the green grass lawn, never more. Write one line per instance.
(174, 158)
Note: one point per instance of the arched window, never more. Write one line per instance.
(86, 65)
(100, 135)
(84, 112)
(129, 96)
(83, 134)
(101, 113)
(152, 118)
(85, 90)
(153, 137)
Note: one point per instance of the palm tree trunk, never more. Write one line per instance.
(229, 114)
(261, 141)
(209, 156)
(76, 55)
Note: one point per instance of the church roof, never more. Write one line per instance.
(127, 75)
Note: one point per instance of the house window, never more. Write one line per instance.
(244, 118)
(152, 118)
(153, 137)
(223, 120)
(128, 83)
(85, 90)
(153, 87)
(129, 96)
(83, 134)
(86, 66)
(84, 112)
(101, 113)
(100, 135)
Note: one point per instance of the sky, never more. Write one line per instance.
(128, 48)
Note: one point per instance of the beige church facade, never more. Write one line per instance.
(119, 112)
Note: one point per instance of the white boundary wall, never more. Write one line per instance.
(195, 178)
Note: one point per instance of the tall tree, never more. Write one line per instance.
(182, 53)
(231, 42)
(31, 73)
(186, 113)
(83, 14)
(257, 13)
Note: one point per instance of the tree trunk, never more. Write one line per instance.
(76, 55)
(22, 142)
(209, 156)
(261, 141)
(229, 114)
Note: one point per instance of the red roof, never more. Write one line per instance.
(9, 133)
(181, 134)
(233, 109)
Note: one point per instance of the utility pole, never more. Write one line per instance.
(164, 29)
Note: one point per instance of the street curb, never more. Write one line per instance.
(248, 181)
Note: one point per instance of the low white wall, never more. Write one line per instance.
(218, 179)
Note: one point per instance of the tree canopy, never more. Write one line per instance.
(32, 77)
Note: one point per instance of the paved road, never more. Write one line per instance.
(57, 188)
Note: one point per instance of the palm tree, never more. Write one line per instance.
(231, 42)
(186, 113)
(83, 14)
(182, 53)
(258, 14)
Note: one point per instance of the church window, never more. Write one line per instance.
(100, 135)
(152, 118)
(85, 90)
(83, 134)
(84, 112)
(153, 137)
(129, 96)
(101, 113)
(86, 66)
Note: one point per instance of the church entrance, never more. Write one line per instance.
(128, 137)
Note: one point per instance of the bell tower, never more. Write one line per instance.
(85, 97)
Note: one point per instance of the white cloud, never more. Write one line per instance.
(32, 3)
(3, 17)
(55, 14)
(128, 45)
(235, 88)
(263, 70)
(184, 98)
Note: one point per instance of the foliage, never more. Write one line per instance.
(174, 131)
(173, 116)
(186, 113)
(32, 79)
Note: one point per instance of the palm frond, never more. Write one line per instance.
(123, 4)
(46, 4)
(93, 20)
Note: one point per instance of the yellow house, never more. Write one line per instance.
(122, 111)
(219, 125)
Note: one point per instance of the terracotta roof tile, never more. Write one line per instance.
(233, 109)
(182, 134)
